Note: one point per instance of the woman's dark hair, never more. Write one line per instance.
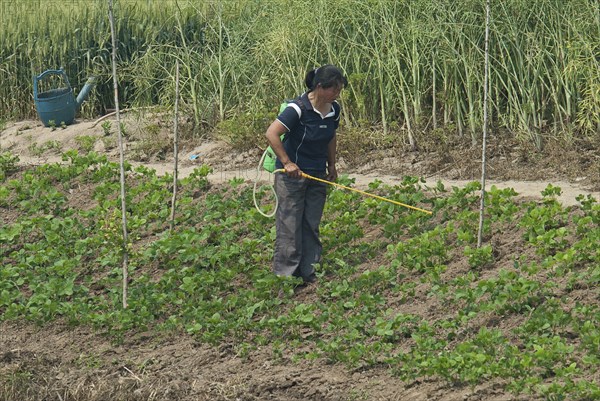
(327, 76)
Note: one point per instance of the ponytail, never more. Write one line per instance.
(327, 76)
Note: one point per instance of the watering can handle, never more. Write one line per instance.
(60, 72)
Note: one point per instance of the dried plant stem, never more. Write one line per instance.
(485, 123)
(121, 154)
(175, 145)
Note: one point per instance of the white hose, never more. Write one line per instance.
(259, 171)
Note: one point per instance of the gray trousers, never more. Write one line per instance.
(297, 244)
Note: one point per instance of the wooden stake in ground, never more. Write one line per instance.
(175, 145)
(485, 122)
(121, 156)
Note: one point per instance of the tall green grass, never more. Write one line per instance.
(412, 65)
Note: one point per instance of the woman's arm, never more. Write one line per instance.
(273, 134)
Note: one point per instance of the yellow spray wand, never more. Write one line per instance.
(357, 190)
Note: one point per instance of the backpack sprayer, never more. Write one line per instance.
(267, 162)
(335, 184)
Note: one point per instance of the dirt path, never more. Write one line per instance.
(36, 144)
(525, 189)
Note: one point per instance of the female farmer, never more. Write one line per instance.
(309, 123)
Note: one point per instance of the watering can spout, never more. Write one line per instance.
(85, 91)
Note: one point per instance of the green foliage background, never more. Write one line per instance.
(414, 65)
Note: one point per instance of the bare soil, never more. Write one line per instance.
(58, 362)
(67, 363)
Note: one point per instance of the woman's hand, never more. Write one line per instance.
(292, 170)
(332, 174)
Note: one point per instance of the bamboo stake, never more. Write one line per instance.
(175, 145)
(485, 122)
(121, 155)
(433, 92)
